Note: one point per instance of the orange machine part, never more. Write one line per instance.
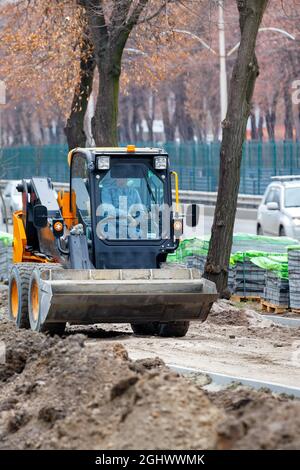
(20, 252)
(65, 206)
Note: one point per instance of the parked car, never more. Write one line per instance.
(279, 211)
(12, 200)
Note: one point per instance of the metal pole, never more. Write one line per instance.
(222, 53)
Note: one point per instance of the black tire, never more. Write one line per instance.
(54, 329)
(19, 280)
(34, 305)
(145, 329)
(259, 230)
(282, 232)
(176, 329)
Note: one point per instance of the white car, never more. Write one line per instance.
(12, 200)
(279, 211)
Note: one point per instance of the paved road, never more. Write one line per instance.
(204, 228)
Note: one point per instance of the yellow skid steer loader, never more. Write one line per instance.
(97, 252)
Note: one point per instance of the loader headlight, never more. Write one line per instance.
(160, 163)
(296, 222)
(178, 228)
(103, 163)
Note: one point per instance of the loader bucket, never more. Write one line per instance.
(123, 296)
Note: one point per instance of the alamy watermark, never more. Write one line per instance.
(125, 221)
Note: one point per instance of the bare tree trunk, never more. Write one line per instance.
(254, 133)
(234, 126)
(271, 117)
(168, 120)
(74, 129)
(125, 130)
(104, 123)
(17, 135)
(289, 118)
(260, 129)
(183, 119)
(26, 119)
(109, 37)
(148, 104)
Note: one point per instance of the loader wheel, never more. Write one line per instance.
(35, 309)
(173, 329)
(19, 279)
(145, 329)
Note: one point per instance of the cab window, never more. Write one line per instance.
(136, 195)
(79, 184)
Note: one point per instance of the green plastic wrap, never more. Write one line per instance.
(275, 263)
(6, 239)
(270, 253)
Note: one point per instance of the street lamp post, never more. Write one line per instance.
(221, 53)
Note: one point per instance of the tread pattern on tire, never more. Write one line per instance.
(170, 329)
(51, 328)
(25, 275)
(25, 271)
(174, 329)
(145, 329)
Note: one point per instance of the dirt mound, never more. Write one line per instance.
(224, 313)
(85, 393)
(257, 420)
(61, 393)
(3, 299)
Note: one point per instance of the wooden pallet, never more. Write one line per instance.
(296, 311)
(246, 298)
(268, 307)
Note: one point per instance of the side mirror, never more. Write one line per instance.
(272, 206)
(192, 215)
(40, 216)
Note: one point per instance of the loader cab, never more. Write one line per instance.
(124, 202)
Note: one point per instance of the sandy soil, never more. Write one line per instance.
(85, 392)
(234, 341)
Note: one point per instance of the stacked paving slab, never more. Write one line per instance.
(294, 277)
(276, 291)
(5, 256)
(247, 277)
(249, 280)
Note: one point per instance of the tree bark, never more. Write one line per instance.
(234, 126)
(254, 132)
(109, 38)
(105, 121)
(260, 129)
(148, 104)
(288, 118)
(168, 120)
(183, 119)
(74, 129)
(271, 117)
